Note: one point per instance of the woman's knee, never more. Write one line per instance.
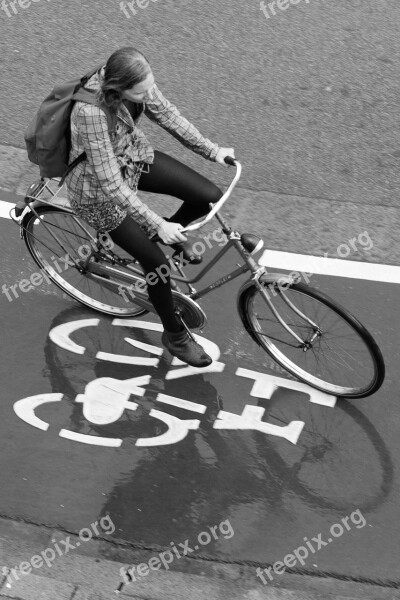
(213, 193)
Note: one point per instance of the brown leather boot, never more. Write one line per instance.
(183, 347)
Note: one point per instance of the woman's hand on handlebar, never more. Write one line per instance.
(170, 233)
(222, 154)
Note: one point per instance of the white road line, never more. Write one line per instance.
(5, 208)
(330, 266)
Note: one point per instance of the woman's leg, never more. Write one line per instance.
(131, 238)
(169, 176)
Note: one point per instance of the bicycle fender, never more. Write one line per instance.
(37, 204)
(272, 280)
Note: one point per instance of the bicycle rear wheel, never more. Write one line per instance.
(335, 354)
(56, 239)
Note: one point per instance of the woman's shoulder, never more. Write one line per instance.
(94, 82)
(87, 108)
(87, 111)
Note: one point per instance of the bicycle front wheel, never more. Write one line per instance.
(56, 238)
(330, 349)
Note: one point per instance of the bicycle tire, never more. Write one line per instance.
(66, 224)
(246, 303)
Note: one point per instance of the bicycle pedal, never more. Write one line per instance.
(188, 256)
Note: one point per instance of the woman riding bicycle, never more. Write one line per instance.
(102, 189)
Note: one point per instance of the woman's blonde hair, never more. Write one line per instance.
(125, 68)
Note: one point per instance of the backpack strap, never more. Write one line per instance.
(86, 77)
(88, 96)
(72, 166)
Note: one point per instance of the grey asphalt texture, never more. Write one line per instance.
(309, 99)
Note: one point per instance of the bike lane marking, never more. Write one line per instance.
(335, 267)
(105, 399)
(5, 208)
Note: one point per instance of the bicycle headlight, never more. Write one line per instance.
(252, 243)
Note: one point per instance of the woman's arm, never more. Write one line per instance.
(93, 128)
(165, 114)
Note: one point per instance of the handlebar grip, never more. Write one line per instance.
(230, 160)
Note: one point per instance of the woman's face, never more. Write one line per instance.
(141, 92)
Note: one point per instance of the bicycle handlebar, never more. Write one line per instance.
(230, 161)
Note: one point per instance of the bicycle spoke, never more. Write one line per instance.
(333, 356)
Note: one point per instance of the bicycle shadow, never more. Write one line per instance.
(211, 472)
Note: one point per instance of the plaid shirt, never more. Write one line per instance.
(102, 189)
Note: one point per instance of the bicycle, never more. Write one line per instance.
(284, 316)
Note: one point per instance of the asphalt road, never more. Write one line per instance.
(309, 98)
(274, 494)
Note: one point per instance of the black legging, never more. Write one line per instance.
(171, 177)
(166, 176)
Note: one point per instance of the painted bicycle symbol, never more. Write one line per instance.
(105, 399)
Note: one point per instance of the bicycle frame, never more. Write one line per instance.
(233, 242)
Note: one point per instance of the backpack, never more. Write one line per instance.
(48, 137)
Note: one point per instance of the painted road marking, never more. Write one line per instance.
(25, 409)
(105, 400)
(336, 267)
(186, 404)
(90, 439)
(5, 208)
